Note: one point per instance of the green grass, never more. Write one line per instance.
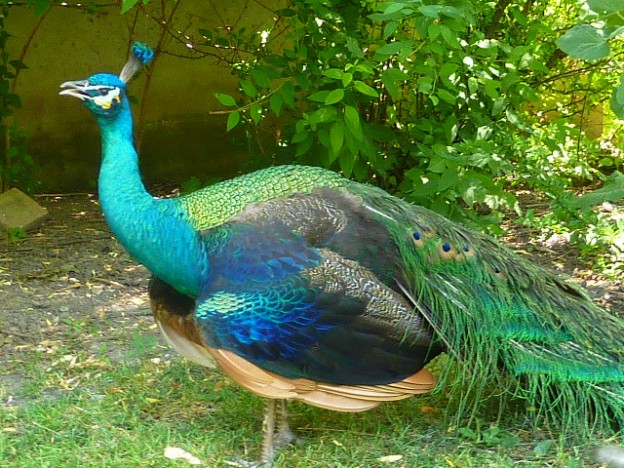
(84, 410)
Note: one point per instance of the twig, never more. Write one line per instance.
(109, 282)
(247, 106)
(21, 335)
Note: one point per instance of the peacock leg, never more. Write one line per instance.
(277, 433)
(284, 435)
(268, 426)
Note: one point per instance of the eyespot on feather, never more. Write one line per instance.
(497, 273)
(418, 239)
(447, 251)
(466, 252)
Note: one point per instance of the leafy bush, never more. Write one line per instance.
(424, 99)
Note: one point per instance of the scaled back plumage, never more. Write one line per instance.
(301, 284)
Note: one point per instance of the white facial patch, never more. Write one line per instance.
(106, 101)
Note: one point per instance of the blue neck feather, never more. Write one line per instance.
(156, 233)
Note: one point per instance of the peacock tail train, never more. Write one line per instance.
(303, 284)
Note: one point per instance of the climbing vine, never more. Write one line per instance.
(16, 163)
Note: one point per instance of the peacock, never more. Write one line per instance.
(303, 285)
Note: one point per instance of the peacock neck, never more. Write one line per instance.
(154, 232)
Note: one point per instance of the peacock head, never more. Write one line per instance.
(104, 93)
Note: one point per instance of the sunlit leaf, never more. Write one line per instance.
(394, 47)
(226, 99)
(256, 113)
(125, 5)
(584, 42)
(365, 89)
(612, 191)
(319, 96)
(334, 96)
(617, 100)
(334, 73)
(605, 6)
(232, 120)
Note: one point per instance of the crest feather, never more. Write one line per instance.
(141, 55)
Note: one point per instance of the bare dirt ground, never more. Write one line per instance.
(73, 277)
(69, 286)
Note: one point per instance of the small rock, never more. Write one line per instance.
(19, 211)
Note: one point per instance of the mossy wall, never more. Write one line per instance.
(180, 137)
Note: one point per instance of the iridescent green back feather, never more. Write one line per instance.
(215, 204)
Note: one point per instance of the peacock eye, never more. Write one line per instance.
(103, 91)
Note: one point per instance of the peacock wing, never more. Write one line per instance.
(305, 312)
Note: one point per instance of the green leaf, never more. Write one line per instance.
(394, 47)
(256, 113)
(319, 96)
(389, 29)
(365, 89)
(347, 161)
(390, 78)
(304, 146)
(433, 31)
(299, 136)
(323, 114)
(232, 120)
(287, 91)
(612, 191)
(334, 73)
(446, 96)
(346, 79)
(605, 6)
(41, 6)
(286, 12)
(248, 88)
(617, 100)
(127, 5)
(261, 78)
(225, 99)
(425, 84)
(335, 96)
(18, 64)
(432, 11)
(446, 72)
(336, 137)
(584, 42)
(393, 7)
(275, 102)
(352, 120)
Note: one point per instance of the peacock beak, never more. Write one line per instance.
(76, 89)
